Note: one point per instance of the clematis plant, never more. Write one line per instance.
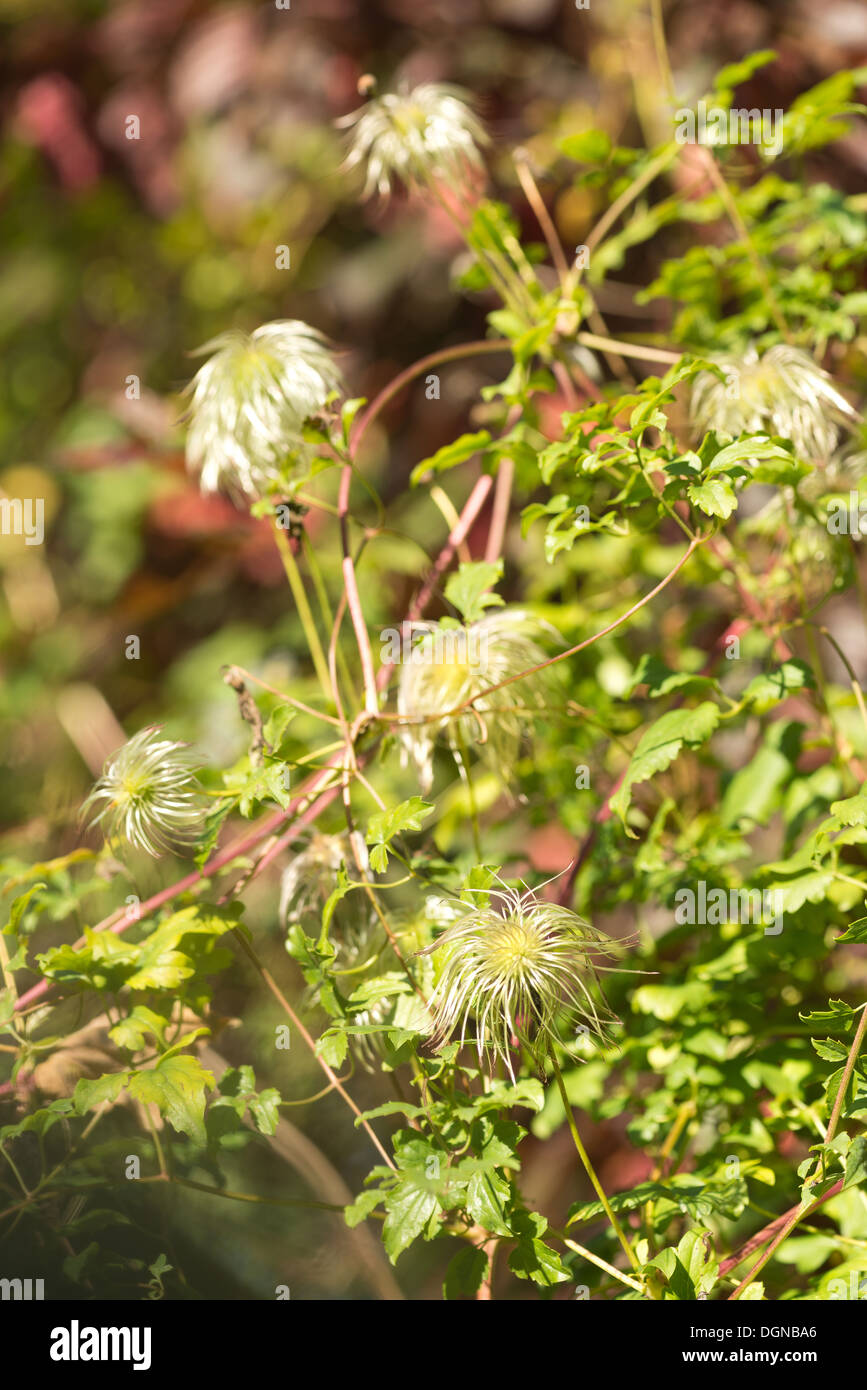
(619, 687)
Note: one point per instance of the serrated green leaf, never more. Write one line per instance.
(715, 497)
(408, 815)
(837, 1014)
(856, 931)
(467, 589)
(830, 1050)
(660, 745)
(409, 1207)
(466, 1273)
(451, 455)
(332, 1047)
(177, 1086)
(766, 691)
(90, 1094)
(856, 1163)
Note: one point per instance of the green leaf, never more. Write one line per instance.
(735, 74)
(177, 1086)
(384, 825)
(142, 1023)
(686, 1193)
(88, 1095)
(344, 885)
(532, 1258)
(751, 447)
(465, 1274)
(501, 1095)
(386, 986)
(238, 1092)
(265, 783)
(360, 1209)
(667, 1001)
(392, 1107)
(332, 1047)
(589, 147)
(753, 1293)
(660, 745)
(213, 825)
(409, 1207)
(856, 1163)
(18, 908)
(451, 455)
(716, 497)
(851, 811)
(690, 1269)
(7, 1006)
(696, 1255)
(660, 680)
(537, 1261)
(348, 412)
(487, 1198)
(856, 931)
(837, 1014)
(766, 691)
(794, 892)
(467, 588)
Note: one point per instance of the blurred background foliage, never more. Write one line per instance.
(122, 256)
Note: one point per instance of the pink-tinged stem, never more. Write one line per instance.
(500, 511)
(589, 641)
(789, 1221)
(118, 921)
(353, 598)
(283, 841)
(434, 359)
(459, 532)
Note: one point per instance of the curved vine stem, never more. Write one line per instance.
(588, 1166)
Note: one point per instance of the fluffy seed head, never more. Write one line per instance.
(311, 876)
(783, 392)
(249, 402)
(416, 137)
(148, 794)
(514, 967)
(450, 666)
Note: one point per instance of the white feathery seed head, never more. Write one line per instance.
(782, 392)
(249, 402)
(511, 970)
(311, 875)
(148, 794)
(416, 137)
(452, 665)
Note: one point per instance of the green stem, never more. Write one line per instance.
(847, 1075)
(800, 1212)
(662, 49)
(596, 1260)
(464, 765)
(327, 612)
(244, 1196)
(588, 1166)
(296, 584)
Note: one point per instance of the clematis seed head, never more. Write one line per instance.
(782, 392)
(512, 969)
(450, 667)
(148, 794)
(249, 402)
(416, 138)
